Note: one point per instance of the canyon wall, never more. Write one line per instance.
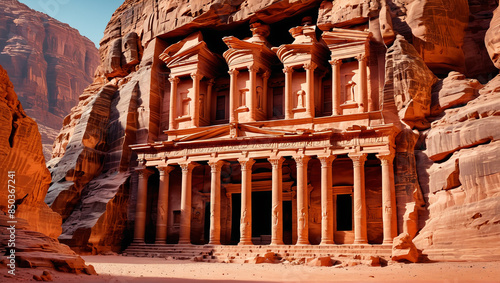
(23, 168)
(433, 87)
(49, 64)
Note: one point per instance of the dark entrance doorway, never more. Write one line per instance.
(235, 218)
(261, 217)
(344, 212)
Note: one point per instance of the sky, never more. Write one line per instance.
(89, 17)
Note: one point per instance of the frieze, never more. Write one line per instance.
(355, 141)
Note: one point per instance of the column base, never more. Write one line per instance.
(245, 243)
(277, 244)
(184, 243)
(303, 243)
(360, 242)
(387, 242)
(138, 241)
(214, 243)
(161, 242)
(327, 242)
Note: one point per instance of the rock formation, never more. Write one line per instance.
(445, 165)
(23, 167)
(49, 64)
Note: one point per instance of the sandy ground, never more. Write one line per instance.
(131, 269)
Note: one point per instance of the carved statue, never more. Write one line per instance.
(350, 91)
(300, 98)
(259, 97)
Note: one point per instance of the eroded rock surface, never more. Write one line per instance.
(23, 167)
(49, 64)
(492, 38)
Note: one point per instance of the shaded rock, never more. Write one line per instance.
(49, 64)
(492, 38)
(404, 249)
(455, 90)
(21, 153)
(409, 81)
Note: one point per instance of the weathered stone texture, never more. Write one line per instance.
(49, 64)
(408, 82)
(492, 38)
(21, 153)
(464, 182)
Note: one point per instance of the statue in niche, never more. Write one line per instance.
(300, 98)
(350, 91)
(202, 105)
(185, 104)
(259, 97)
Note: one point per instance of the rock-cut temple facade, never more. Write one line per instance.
(270, 145)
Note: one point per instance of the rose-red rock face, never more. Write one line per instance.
(492, 38)
(49, 64)
(21, 153)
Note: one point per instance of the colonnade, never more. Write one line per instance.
(327, 206)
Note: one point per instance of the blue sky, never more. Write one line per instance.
(90, 17)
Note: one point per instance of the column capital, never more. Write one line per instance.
(196, 76)
(266, 74)
(326, 160)
(246, 163)
(216, 165)
(386, 158)
(233, 72)
(211, 82)
(276, 161)
(361, 57)
(253, 68)
(173, 79)
(335, 62)
(357, 158)
(288, 69)
(310, 66)
(188, 166)
(165, 169)
(144, 172)
(301, 160)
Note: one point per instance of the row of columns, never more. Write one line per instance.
(327, 206)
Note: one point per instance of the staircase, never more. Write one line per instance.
(241, 254)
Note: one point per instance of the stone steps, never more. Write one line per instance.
(240, 254)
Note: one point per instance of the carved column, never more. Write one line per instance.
(277, 201)
(209, 100)
(215, 167)
(195, 105)
(265, 79)
(360, 233)
(141, 206)
(326, 200)
(302, 200)
(246, 201)
(173, 102)
(185, 225)
(162, 214)
(288, 92)
(252, 98)
(388, 198)
(336, 63)
(310, 67)
(233, 95)
(363, 80)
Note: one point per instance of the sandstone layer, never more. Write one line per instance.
(22, 166)
(49, 64)
(94, 187)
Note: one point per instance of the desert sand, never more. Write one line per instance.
(134, 269)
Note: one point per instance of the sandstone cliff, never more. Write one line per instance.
(418, 42)
(22, 162)
(49, 64)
